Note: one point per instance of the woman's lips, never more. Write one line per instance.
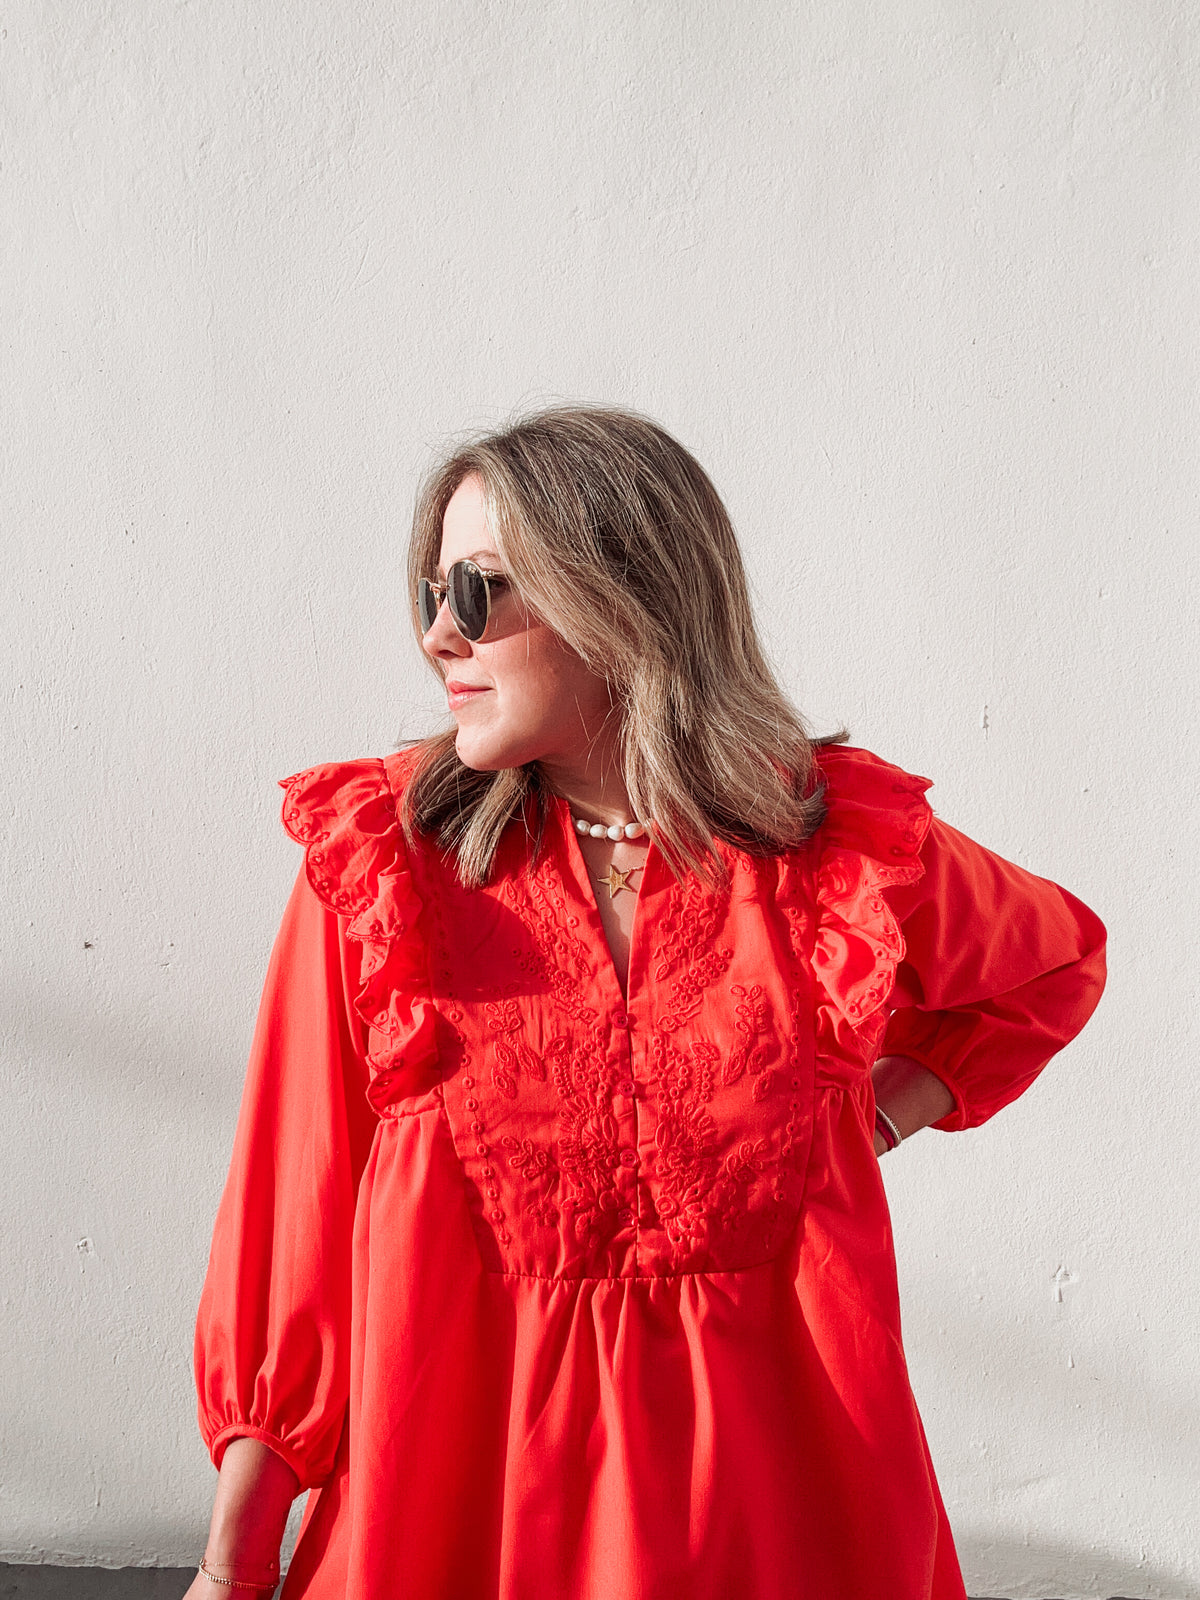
(458, 694)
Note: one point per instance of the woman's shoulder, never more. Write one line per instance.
(848, 768)
(872, 807)
(329, 788)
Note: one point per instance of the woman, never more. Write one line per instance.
(554, 1255)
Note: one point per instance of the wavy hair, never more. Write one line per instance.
(615, 536)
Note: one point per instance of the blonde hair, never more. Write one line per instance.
(614, 535)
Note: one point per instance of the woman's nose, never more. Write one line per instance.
(442, 638)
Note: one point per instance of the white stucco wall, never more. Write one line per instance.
(917, 281)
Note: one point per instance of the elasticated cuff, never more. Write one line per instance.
(247, 1430)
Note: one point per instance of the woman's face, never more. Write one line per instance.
(519, 694)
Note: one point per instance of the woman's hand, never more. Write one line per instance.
(909, 1094)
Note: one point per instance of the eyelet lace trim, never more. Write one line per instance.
(344, 814)
(871, 839)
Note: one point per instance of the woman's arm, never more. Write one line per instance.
(1001, 969)
(255, 1491)
(909, 1094)
(272, 1353)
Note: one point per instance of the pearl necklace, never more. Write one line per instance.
(619, 830)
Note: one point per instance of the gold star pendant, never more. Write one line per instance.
(614, 880)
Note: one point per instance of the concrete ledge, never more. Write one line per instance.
(23, 1582)
(117, 1583)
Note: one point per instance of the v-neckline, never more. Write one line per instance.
(592, 904)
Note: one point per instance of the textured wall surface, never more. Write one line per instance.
(918, 283)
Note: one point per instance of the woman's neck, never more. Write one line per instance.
(593, 788)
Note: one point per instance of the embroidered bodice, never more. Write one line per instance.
(601, 1136)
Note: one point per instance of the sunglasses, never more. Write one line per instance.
(468, 590)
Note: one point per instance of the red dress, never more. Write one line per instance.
(551, 1295)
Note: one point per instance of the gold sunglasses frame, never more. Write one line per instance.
(441, 591)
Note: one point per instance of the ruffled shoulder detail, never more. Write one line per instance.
(344, 813)
(876, 821)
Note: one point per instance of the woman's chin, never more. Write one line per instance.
(483, 755)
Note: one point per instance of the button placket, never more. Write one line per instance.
(624, 1107)
(632, 1163)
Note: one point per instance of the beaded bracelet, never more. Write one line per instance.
(236, 1583)
(889, 1130)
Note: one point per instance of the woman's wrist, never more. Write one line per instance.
(239, 1579)
(909, 1095)
(254, 1495)
(886, 1131)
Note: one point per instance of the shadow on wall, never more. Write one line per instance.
(1058, 1572)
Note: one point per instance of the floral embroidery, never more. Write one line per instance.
(563, 959)
(750, 1054)
(588, 1146)
(504, 1069)
(511, 1055)
(539, 1169)
(504, 1016)
(699, 1180)
(581, 1164)
(686, 1139)
(697, 1188)
(691, 926)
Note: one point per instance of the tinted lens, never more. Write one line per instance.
(427, 604)
(468, 596)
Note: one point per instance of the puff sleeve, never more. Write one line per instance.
(271, 1351)
(1000, 970)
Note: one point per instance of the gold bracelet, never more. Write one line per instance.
(234, 1583)
(891, 1133)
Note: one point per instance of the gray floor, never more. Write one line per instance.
(93, 1583)
(102, 1583)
